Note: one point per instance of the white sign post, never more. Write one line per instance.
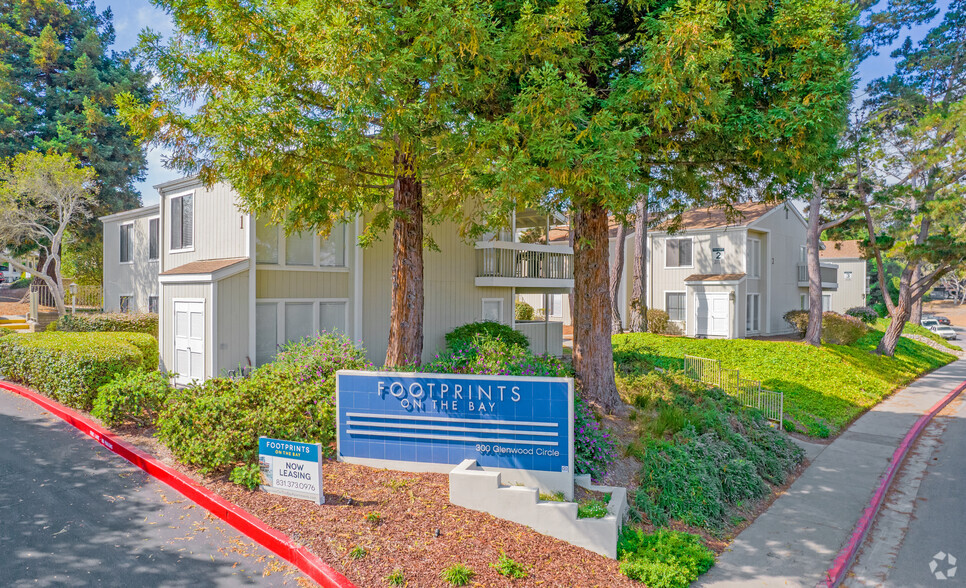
(291, 468)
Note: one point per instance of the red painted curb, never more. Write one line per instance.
(245, 522)
(845, 558)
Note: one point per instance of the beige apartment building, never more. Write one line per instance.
(853, 280)
(232, 288)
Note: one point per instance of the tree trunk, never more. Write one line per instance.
(406, 313)
(915, 313)
(900, 314)
(593, 350)
(616, 273)
(813, 335)
(570, 297)
(637, 322)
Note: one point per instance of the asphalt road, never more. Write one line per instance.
(74, 514)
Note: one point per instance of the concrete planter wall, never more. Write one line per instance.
(472, 487)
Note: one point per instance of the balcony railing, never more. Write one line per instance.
(502, 263)
(829, 273)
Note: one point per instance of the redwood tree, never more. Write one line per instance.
(318, 111)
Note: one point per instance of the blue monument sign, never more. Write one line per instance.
(432, 422)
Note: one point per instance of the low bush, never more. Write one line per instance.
(71, 367)
(134, 397)
(798, 319)
(509, 568)
(839, 329)
(4, 331)
(466, 335)
(457, 575)
(22, 283)
(216, 425)
(659, 323)
(592, 509)
(109, 322)
(523, 311)
(594, 449)
(863, 313)
(484, 354)
(664, 559)
(714, 455)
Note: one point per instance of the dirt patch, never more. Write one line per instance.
(411, 525)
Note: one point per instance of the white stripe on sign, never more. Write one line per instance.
(444, 428)
(447, 419)
(450, 438)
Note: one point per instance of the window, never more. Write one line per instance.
(182, 222)
(266, 332)
(493, 309)
(556, 305)
(266, 242)
(332, 317)
(826, 302)
(153, 304)
(154, 240)
(332, 248)
(848, 275)
(126, 246)
(125, 303)
(298, 320)
(752, 314)
(754, 258)
(675, 303)
(678, 253)
(298, 248)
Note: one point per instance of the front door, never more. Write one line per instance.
(712, 315)
(189, 341)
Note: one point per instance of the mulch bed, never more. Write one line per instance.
(406, 510)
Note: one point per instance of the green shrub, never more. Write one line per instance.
(136, 396)
(594, 449)
(665, 559)
(22, 283)
(464, 336)
(70, 367)
(798, 319)
(396, 578)
(109, 322)
(881, 309)
(494, 356)
(509, 568)
(248, 475)
(523, 311)
(592, 509)
(837, 329)
(863, 313)
(659, 323)
(457, 575)
(216, 425)
(5, 331)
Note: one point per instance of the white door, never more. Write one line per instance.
(189, 341)
(712, 315)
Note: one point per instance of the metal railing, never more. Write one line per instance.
(503, 259)
(75, 296)
(746, 391)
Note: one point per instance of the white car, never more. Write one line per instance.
(941, 330)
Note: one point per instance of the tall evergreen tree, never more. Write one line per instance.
(58, 83)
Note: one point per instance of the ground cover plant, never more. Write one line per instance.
(914, 329)
(825, 387)
(109, 322)
(71, 367)
(664, 559)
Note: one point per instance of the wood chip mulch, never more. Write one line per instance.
(405, 511)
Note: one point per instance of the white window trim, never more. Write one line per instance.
(666, 266)
(120, 229)
(160, 239)
(483, 307)
(194, 223)
(282, 265)
(757, 275)
(150, 296)
(748, 327)
(685, 292)
(133, 302)
(316, 312)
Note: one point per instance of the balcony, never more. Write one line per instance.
(830, 275)
(528, 267)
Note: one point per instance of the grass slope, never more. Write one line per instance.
(910, 329)
(825, 387)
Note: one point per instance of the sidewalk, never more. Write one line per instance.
(794, 542)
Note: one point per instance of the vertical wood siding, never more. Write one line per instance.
(232, 323)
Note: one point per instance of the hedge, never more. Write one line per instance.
(109, 322)
(464, 336)
(70, 367)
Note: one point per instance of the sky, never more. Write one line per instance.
(132, 16)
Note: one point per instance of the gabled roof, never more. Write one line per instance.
(150, 210)
(841, 250)
(744, 214)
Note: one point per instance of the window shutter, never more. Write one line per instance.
(187, 222)
(176, 223)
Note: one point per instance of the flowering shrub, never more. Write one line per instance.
(485, 355)
(216, 425)
(594, 449)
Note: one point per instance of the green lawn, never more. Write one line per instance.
(825, 388)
